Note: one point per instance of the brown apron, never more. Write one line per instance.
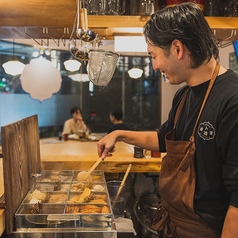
(176, 217)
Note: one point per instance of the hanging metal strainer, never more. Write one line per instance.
(101, 66)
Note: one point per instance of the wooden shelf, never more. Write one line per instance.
(56, 16)
(139, 21)
(104, 25)
(133, 24)
(224, 23)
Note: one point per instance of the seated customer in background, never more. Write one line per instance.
(75, 124)
(116, 118)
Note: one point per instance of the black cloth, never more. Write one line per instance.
(216, 140)
(119, 126)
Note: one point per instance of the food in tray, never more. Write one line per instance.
(38, 196)
(85, 209)
(36, 209)
(101, 196)
(83, 198)
(105, 209)
(81, 176)
(88, 196)
(74, 199)
(79, 186)
(99, 200)
(51, 178)
(98, 188)
(82, 185)
(64, 178)
(64, 187)
(96, 177)
(57, 198)
(90, 209)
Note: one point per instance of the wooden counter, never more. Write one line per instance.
(77, 155)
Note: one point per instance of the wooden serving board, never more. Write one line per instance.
(21, 159)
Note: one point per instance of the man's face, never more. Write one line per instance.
(166, 62)
(77, 115)
(111, 118)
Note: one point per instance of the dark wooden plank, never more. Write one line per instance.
(21, 156)
(32, 145)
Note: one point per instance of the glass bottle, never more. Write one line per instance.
(133, 7)
(145, 7)
(212, 8)
(230, 8)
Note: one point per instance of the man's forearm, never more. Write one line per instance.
(145, 139)
(230, 227)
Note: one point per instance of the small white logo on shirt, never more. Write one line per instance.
(206, 131)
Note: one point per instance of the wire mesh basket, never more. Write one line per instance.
(101, 66)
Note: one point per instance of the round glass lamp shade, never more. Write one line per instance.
(72, 65)
(135, 73)
(13, 67)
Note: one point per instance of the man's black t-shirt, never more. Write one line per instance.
(119, 126)
(216, 140)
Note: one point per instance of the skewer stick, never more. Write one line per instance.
(92, 168)
(122, 184)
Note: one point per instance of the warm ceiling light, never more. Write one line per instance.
(135, 44)
(72, 65)
(13, 66)
(79, 77)
(135, 73)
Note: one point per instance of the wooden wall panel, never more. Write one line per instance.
(21, 158)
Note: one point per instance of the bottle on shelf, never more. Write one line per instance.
(145, 7)
(212, 8)
(230, 8)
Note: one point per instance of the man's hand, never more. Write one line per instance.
(106, 146)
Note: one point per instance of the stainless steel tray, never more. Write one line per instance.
(51, 203)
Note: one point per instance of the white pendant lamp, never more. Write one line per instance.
(72, 65)
(13, 66)
(135, 73)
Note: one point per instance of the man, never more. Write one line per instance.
(116, 118)
(75, 124)
(198, 182)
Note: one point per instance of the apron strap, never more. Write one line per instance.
(180, 107)
(212, 81)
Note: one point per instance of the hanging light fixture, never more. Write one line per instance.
(135, 73)
(13, 66)
(72, 65)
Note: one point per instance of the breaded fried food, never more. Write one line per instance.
(97, 201)
(90, 209)
(85, 196)
(105, 209)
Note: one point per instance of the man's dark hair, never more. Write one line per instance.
(184, 22)
(75, 109)
(117, 113)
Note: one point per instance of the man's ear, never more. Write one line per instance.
(177, 48)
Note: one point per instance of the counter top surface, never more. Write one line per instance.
(81, 155)
(72, 154)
